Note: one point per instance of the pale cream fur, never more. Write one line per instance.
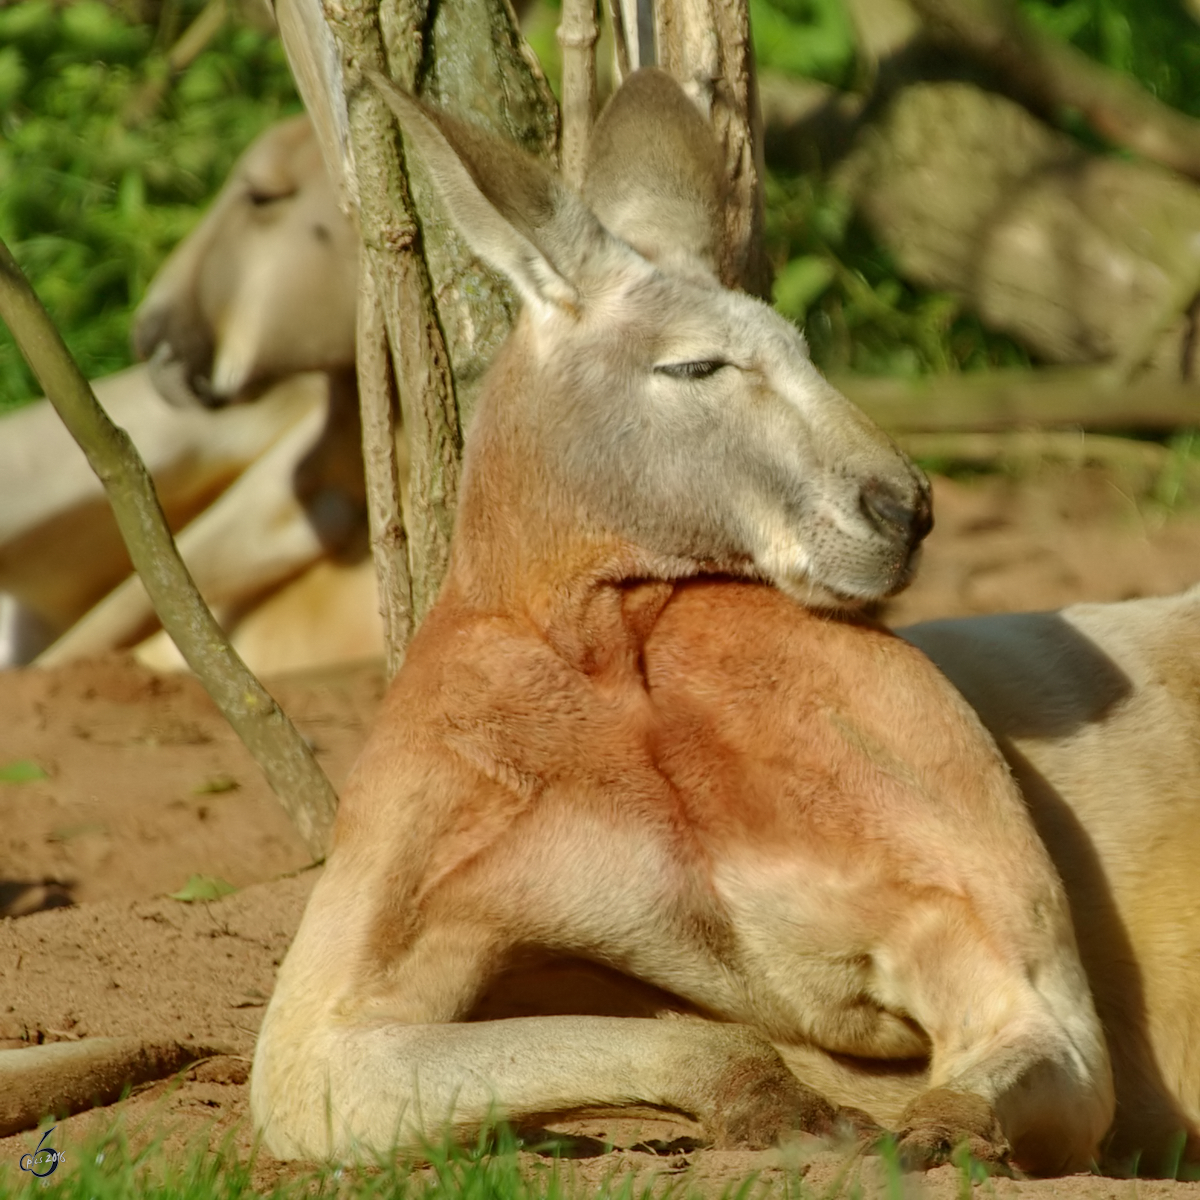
(616, 739)
(1097, 708)
(264, 287)
(60, 551)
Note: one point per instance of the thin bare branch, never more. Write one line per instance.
(378, 404)
(577, 34)
(1055, 75)
(285, 757)
(616, 20)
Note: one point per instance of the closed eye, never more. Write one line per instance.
(262, 196)
(701, 368)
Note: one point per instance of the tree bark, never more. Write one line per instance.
(284, 756)
(378, 404)
(705, 44)
(397, 265)
(577, 36)
(445, 312)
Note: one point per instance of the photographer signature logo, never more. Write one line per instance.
(43, 1161)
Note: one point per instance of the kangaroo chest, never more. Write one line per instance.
(739, 825)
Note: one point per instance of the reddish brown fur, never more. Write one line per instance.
(609, 742)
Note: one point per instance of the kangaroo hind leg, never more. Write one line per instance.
(343, 1073)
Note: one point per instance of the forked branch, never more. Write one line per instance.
(577, 34)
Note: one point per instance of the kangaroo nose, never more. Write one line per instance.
(896, 515)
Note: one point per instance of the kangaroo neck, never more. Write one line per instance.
(592, 599)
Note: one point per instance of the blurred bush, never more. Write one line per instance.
(831, 275)
(1155, 41)
(107, 158)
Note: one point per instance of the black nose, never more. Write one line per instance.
(910, 518)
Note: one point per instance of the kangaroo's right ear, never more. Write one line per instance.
(655, 176)
(513, 212)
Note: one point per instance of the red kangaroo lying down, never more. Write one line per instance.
(621, 736)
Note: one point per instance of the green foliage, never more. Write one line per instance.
(1155, 41)
(858, 313)
(106, 161)
(813, 38)
(832, 279)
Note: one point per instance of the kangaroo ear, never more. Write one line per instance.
(513, 212)
(654, 174)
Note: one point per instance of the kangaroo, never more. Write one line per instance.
(258, 533)
(262, 289)
(60, 550)
(636, 730)
(1097, 709)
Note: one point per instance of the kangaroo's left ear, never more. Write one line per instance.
(512, 211)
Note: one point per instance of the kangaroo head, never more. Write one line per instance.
(263, 287)
(653, 402)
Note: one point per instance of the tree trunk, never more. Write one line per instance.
(445, 313)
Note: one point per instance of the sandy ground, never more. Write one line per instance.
(145, 787)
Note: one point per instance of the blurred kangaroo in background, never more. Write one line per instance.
(1097, 709)
(263, 288)
(60, 550)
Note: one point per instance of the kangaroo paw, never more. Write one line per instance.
(772, 1104)
(937, 1123)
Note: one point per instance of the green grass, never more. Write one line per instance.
(114, 1166)
(123, 1164)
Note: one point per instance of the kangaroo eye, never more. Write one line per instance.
(700, 369)
(262, 195)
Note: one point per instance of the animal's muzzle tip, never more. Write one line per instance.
(907, 518)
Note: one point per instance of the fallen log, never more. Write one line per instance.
(1091, 398)
(62, 1078)
(1145, 468)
